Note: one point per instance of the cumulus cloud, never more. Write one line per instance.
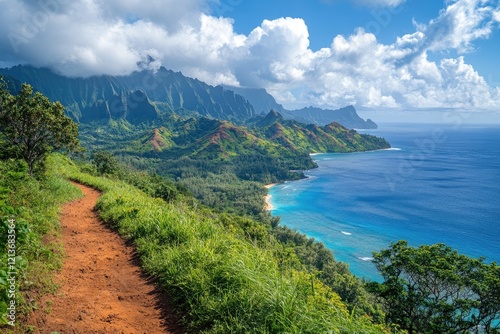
(90, 37)
(459, 25)
(75, 38)
(276, 52)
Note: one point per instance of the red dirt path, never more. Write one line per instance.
(102, 288)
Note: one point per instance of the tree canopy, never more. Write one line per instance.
(32, 126)
(105, 162)
(434, 289)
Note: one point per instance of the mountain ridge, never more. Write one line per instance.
(301, 137)
(272, 135)
(144, 96)
(263, 102)
(113, 97)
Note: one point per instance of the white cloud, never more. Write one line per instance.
(169, 14)
(88, 37)
(276, 52)
(459, 25)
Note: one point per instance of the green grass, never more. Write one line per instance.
(34, 205)
(219, 281)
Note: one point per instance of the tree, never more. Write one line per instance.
(105, 163)
(434, 289)
(33, 126)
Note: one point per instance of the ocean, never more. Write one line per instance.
(438, 184)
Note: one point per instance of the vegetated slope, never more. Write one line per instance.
(156, 139)
(204, 138)
(333, 138)
(84, 99)
(211, 157)
(138, 97)
(240, 196)
(211, 139)
(102, 288)
(225, 273)
(33, 205)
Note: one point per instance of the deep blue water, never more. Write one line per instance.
(442, 185)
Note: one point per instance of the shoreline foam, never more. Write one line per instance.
(269, 206)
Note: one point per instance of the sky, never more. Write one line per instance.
(378, 55)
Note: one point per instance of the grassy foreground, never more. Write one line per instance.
(219, 280)
(32, 205)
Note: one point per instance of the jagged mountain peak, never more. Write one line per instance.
(272, 117)
(265, 120)
(102, 97)
(275, 114)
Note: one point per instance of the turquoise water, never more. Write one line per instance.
(439, 184)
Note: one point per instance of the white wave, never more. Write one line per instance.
(345, 233)
(392, 149)
(366, 259)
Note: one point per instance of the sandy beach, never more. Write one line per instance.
(268, 197)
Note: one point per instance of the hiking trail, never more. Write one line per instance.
(102, 287)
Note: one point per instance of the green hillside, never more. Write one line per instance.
(224, 273)
(213, 158)
(216, 140)
(333, 138)
(226, 264)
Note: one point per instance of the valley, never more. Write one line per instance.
(210, 155)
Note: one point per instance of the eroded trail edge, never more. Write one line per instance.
(102, 287)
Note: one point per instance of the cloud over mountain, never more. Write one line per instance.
(91, 37)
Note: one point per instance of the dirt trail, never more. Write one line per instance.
(102, 288)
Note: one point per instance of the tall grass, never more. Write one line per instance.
(34, 205)
(218, 280)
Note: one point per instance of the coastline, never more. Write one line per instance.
(269, 206)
